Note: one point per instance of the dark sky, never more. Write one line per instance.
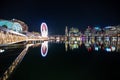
(58, 14)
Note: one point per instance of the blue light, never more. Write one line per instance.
(96, 48)
(97, 28)
(108, 27)
(7, 23)
(108, 49)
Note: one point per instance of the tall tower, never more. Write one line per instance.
(66, 31)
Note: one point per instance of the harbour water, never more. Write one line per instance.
(67, 61)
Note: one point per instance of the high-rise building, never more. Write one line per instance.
(66, 31)
(88, 31)
(74, 32)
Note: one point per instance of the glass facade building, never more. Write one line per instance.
(11, 25)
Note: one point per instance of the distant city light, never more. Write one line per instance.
(2, 50)
(110, 28)
(75, 42)
(96, 48)
(113, 48)
(89, 49)
(97, 28)
(107, 38)
(107, 27)
(108, 49)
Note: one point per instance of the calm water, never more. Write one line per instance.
(77, 63)
(8, 56)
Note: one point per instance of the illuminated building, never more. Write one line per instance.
(97, 31)
(118, 28)
(74, 34)
(88, 31)
(14, 24)
(66, 31)
(24, 26)
(66, 34)
(110, 31)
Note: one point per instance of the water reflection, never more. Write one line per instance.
(2, 50)
(97, 44)
(14, 64)
(44, 48)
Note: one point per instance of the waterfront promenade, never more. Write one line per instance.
(11, 37)
(15, 63)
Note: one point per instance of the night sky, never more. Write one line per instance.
(58, 14)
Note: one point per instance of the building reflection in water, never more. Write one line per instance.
(98, 44)
(44, 48)
(72, 45)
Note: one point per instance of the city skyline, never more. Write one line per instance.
(59, 40)
(57, 15)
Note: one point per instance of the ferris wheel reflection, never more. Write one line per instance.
(44, 48)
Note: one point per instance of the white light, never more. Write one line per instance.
(2, 50)
(75, 42)
(113, 48)
(96, 48)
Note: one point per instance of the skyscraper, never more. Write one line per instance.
(66, 31)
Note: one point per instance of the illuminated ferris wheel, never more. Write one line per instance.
(44, 30)
(44, 49)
